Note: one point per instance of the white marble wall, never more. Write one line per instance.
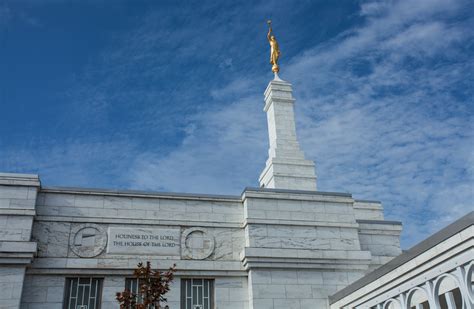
(272, 248)
(135, 208)
(11, 285)
(59, 214)
(53, 240)
(302, 237)
(47, 292)
(41, 292)
(368, 210)
(302, 247)
(231, 293)
(382, 239)
(17, 209)
(296, 289)
(17, 204)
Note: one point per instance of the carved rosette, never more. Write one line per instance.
(87, 240)
(197, 244)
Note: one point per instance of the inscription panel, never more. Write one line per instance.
(144, 241)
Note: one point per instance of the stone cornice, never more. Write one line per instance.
(305, 259)
(304, 195)
(10, 179)
(17, 252)
(137, 193)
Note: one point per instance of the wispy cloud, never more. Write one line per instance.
(384, 109)
(220, 154)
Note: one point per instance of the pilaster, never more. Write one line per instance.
(17, 210)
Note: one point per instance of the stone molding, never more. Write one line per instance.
(126, 272)
(87, 251)
(305, 259)
(17, 212)
(137, 193)
(300, 195)
(441, 253)
(10, 179)
(298, 223)
(195, 253)
(118, 263)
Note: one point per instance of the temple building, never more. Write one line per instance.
(282, 245)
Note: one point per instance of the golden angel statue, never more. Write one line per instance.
(274, 49)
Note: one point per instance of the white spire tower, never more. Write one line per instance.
(286, 167)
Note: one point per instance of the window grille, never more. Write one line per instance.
(133, 286)
(82, 293)
(197, 294)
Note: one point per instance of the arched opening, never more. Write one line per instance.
(470, 281)
(448, 293)
(417, 299)
(392, 304)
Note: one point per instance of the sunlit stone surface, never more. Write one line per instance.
(286, 167)
(284, 245)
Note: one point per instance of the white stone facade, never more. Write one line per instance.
(285, 245)
(18, 196)
(286, 167)
(267, 248)
(437, 273)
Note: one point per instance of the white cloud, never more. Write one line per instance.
(220, 153)
(375, 111)
(383, 108)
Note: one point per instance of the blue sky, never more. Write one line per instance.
(155, 95)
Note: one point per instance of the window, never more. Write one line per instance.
(197, 294)
(451, 299)
(132, 285)
(82, 293)
(423, 305)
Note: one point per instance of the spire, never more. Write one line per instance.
(286, 167)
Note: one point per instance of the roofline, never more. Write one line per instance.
(363, 221)
(19, 175)
(255, 189)
(15, 179)
(125, 192)
(408, 255)
(368, 201)
(99, 191)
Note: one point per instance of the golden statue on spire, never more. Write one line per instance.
(274, 49)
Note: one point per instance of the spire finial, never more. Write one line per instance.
(274, 48)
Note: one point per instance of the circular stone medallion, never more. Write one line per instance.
(197, 244)
(87, 240)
